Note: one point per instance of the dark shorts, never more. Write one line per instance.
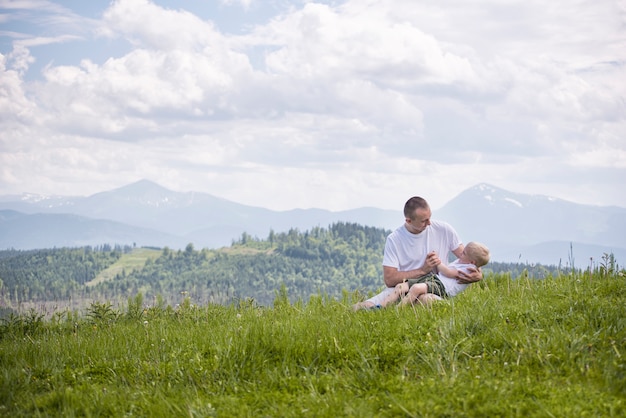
(432, 282)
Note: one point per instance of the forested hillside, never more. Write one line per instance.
(322, 261)
(52, 274)
(344, 256)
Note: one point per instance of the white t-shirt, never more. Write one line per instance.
(453, 287)
(406, 251)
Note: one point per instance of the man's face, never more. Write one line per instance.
(419, 222)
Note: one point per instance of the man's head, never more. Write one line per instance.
(476, 253)
(417, 214)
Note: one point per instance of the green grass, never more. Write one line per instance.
(128, 262)
(522, 348)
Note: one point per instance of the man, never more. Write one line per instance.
(413, 250)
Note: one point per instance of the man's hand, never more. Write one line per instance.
(474, 275)
(432, 261)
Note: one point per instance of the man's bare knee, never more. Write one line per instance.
(363, 305)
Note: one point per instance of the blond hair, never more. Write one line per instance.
(478, 253)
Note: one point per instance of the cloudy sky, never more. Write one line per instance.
(330, 104)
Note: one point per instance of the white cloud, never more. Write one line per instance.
(14, 104)
(151, 26)
(39, 41)
(19, 59)
(334, 104)
(321, 42)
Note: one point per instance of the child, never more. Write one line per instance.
(474, 255)
(443, 284)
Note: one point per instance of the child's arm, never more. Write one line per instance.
(447, 270)
(463, 274)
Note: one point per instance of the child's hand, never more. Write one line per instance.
(432, 259)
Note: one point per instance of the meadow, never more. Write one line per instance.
(523, 347)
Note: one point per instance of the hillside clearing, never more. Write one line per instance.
(131, 261)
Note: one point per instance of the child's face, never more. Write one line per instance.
(464, 258)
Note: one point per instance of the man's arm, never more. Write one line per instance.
(392, 276)
(472, 275)
(458, 251)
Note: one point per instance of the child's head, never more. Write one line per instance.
(476, 253)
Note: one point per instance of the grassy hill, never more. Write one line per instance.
(525, 347)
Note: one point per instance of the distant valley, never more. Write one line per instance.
(517, 227)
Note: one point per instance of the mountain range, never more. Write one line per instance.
(537, 229)
(517, 227)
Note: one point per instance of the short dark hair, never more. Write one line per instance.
(413, 203)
